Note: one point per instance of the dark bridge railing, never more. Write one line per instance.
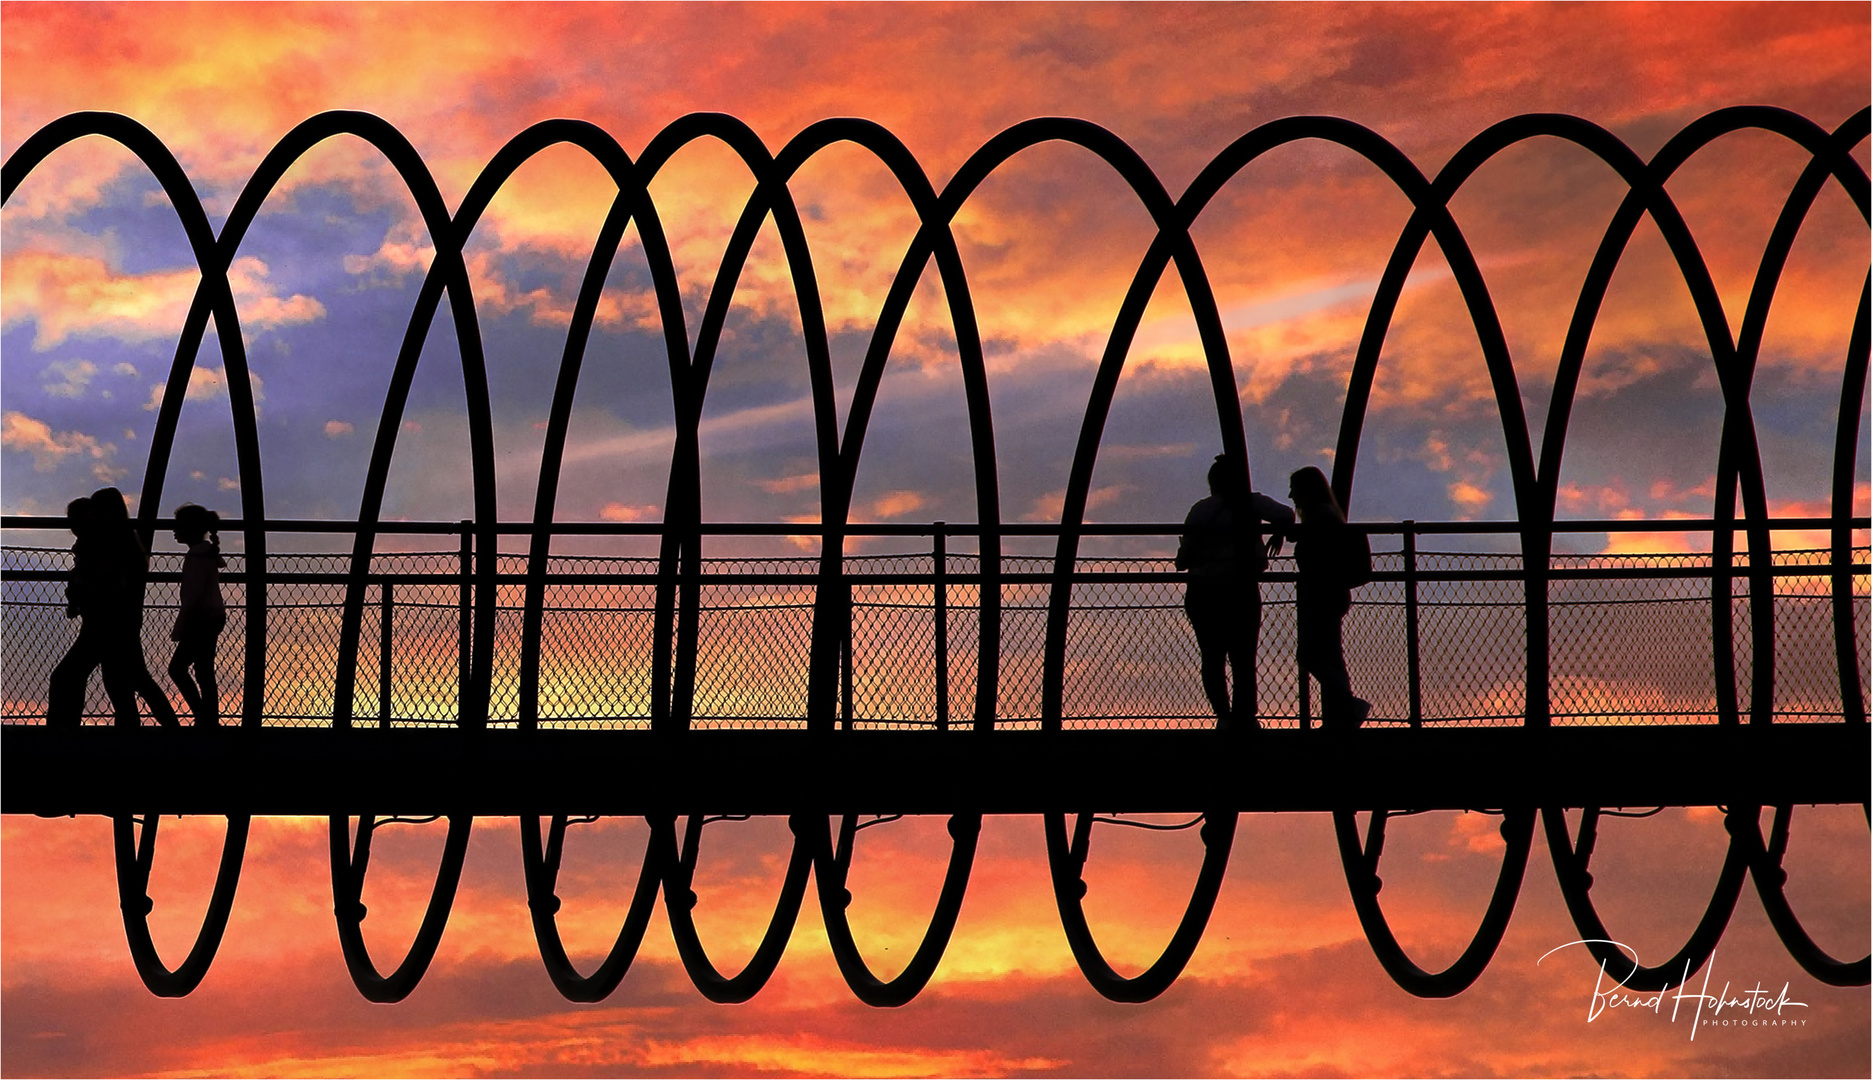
(1439, 636)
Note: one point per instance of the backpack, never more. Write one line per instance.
(1355, 565)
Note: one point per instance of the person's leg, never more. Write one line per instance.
(1244, 644)
(201, 657)
(1211, 643)
(153, 694)
(127, 677)
(1322, 657)
(1353, 709)
(120, 679)
(1335, 683)
(65, 691)
(179, 665)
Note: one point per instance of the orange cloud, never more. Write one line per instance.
(896, 504)
(79, 294)
(207, 384)
(1282, 981)
(1469, 498)
(49, 449)
(1051, 505)
(620, 512)
(1047, 263)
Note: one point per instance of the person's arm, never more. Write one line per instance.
(76, 589)
(1277, 514)
(1190, 542)
(1272, 510)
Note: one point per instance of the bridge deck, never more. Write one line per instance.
(288, 771)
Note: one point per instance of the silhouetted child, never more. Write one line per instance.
(1221, 549)
(201, 615)
(1323, 595)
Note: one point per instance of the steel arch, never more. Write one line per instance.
(1771, 885)
(541, 865)
(1066, 859)
(831, 867)
(1572, 861)
(1361, 870)
(135, 856)
(349, 864)
(1734, 351)
(679, 901)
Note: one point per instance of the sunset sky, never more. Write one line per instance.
(95, 278)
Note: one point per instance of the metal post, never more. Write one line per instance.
(1410, 624)
(941, 585)
(465, 604)
(845, 650)
(385, 622)
(1306, 705)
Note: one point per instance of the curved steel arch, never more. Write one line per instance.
(679, 901)
(1066, 859)
(446, 271)
(935, 239)
(1734, 354)
(349, 863)
(832, 866)
(1572, 869)
(1771, 885)
(213, 296)
(1361, 869)
(541, 865)
(1845, 449)
(135, 855)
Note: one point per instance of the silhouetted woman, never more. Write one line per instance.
(88, 599)
(201, 615)
(1222, 551)
(1322, 549)
(125, 565)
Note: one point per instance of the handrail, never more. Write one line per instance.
(1419, 585)
(951, 528)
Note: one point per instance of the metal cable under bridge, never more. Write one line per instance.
(1010, 718)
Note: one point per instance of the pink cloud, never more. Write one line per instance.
(76, 294)
(49, 449)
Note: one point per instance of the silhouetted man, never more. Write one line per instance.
(1222, 551)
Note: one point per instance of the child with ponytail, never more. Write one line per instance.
(202, 614)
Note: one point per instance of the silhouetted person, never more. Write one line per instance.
(1324, 553)
(125, 563)
(201, 615)
(87, 599)
(1221, 549)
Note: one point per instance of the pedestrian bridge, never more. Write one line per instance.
(681, 688)
(547, 669)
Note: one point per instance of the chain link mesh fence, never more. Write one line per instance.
(1629, 640)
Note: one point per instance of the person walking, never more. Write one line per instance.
(1327, 555)
(89, 599)
(201, 614)
(1222, 551)
(124, 563)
